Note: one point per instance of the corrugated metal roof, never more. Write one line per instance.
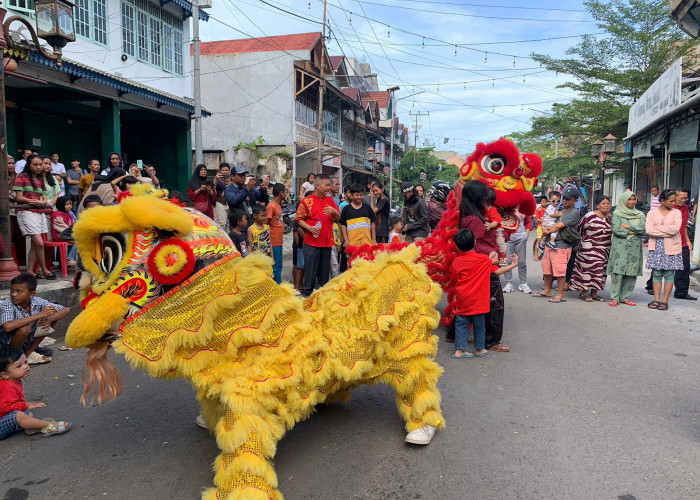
(301, 41)
(125, 85)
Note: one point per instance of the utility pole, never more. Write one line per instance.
(417, 114)
(392, 103)
(321, 92)
(197, 90)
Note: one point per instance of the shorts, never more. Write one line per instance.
(554, 261)
(31, 223)
(539, 232)
(9, 425)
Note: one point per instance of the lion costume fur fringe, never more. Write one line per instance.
(260, 357)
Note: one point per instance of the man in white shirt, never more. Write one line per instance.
(58, 169)
(19, 166)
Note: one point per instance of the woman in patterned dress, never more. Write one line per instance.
(592, 258)
(626, 259)
(665, 253)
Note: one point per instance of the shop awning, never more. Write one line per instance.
(123, 85)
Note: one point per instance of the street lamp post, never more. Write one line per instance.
(391, 143)
(55, 24)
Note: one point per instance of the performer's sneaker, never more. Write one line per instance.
(200, 422)
(421, 436)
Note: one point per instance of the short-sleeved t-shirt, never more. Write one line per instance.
(86, 181)
(240, 241)
(274, 220)
(73, 175)
(358, 222)
(311, 211)
(382, 228)
(260, 238)
(33, 192)
(569, 217)
(471, 274)
(11, 312)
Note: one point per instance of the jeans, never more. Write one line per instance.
(277, 266)
(462, 329)
(73, 252)
(519, 248)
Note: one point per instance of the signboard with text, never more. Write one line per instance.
(662, 96)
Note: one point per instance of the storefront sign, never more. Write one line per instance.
(662, 96)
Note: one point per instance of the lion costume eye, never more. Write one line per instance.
(112, 247)
(493, 164)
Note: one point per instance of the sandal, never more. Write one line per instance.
(40, 276)
(37, 359)
(50, 276)
(55, 428)
(653, 304)
(540, 294)
(500, 348)
(31, 432)
(628, 302)
(598, 299)
(663, 306)
(613, 303)
(585, 297)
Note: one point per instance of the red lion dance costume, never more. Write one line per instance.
(500, 166)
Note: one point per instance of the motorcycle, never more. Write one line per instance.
(288, 213)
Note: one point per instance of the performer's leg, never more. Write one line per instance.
(417, 396)
(248, 441)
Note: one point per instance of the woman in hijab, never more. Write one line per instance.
(592, 258)
(201, 191)
(104, 186)
(114, 160)
(626, 260)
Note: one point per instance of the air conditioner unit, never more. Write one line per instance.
(204, 4)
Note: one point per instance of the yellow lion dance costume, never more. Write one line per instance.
(167, 288)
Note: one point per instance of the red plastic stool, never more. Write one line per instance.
(48, 252)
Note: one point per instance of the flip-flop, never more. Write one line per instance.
(598, 299)
(585, 298)
(540, 294)
(463, 356)
(555, 300)
(480, 355)
(654, 304)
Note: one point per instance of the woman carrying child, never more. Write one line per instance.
(470, 274)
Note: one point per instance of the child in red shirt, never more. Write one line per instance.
(14, 409)
(470, 275)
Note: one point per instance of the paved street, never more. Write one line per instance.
(593, 402)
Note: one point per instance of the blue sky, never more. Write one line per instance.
(488, 89)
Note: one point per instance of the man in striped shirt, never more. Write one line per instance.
(358, 221)
(655, 197)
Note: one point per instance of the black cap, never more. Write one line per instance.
(406, 187)
(571, 193)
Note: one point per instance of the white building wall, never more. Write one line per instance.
(249, 95)
(108, 58)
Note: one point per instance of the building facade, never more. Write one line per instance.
(124, 86)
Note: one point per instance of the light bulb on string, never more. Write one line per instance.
(309, 5)
(465, 85)
(523, 79)
(522, 108)
(493, 83)
(486, 57)
(493, 110)
(455, 50)
(514, 61)
(388, 31)
(423, 43)
(438, 88)
(350, 19)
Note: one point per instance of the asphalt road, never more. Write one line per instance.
(593, 402)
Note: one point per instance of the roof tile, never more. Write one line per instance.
(301, 41)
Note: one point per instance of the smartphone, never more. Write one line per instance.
(140, 164)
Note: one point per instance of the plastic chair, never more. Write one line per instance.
(48, 252)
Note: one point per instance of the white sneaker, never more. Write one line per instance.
(200, 422)
(524, 288)
(421, 436)
(508, 288)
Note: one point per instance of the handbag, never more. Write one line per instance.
(570, 236)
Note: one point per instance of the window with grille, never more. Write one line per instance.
(155, 25)
(25, 6)
(152, 35)
(128, 33)
(81, 12)
(177, 49)
(168, 58)
(99, 16)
